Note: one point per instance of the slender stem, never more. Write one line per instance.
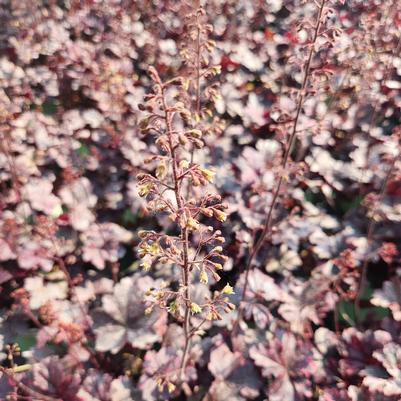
(186, 283)
(184, 236)
(197, 82)
(187, 325)
(369, 237)
(291, 141)
(198, 67)
(372, 223)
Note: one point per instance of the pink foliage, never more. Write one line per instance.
(320, 319)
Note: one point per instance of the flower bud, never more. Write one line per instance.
(161, 170)
(195, 308)
(218, 266)
(172, 307)
(146, 263)
(192, 224)
(154, 248)
(142, 233)
(159, 383)
(182, 139)
(144, 189)
(195, 133)
(207, 174)
(203, 277)
(216, 69)
(162, 142)
(227, 289)
(184, 164)
(210, 45)
(170, 387)
(207, 212)
(219, 215)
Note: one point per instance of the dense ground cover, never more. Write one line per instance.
(290, 114)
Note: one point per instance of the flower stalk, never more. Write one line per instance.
(268, 221)
(177, 121)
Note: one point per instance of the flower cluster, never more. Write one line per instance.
(178, 187)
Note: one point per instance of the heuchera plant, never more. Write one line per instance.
(223, 225)
(175, 189)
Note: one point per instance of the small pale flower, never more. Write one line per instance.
(146, 262)
(218, 266)
(219, 215)
(192, 224)
(173, 307)
(195, 308)
(154, 248)
(203, 277)
(208, 174)
(170, 387)
(161, 170)
(184, 164)
(144, 189)
(217, 249)
(228, 289)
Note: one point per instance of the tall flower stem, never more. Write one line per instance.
(183, 235)
(187, 323)
(198, 71)
(174, 109)
(197, 82)
(372, 224)
(268, 221)
(369, 238)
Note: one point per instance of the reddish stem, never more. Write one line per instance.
(268, 221)
(369, 237)
(184, 235)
